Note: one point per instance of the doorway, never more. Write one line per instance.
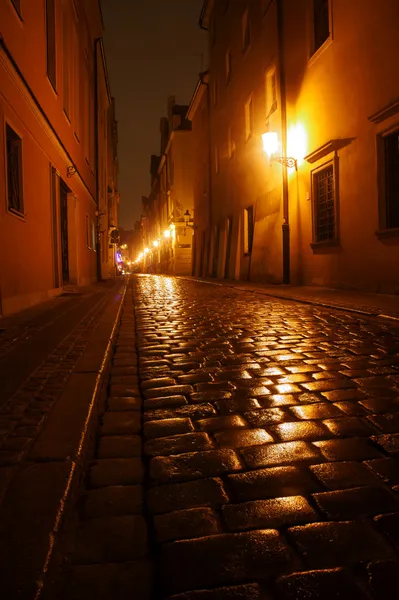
(64, 191)
(229, 231)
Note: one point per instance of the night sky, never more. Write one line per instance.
(153, 50)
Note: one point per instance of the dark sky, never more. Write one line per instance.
(153, 50)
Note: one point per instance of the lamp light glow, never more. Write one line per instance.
(270, 142)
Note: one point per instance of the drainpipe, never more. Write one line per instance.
(96, 147)
(283, 102)
(210, 215)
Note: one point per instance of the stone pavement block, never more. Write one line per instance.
(320, 410)
(124, 581)
(183, 524)
(241, 438)
(178, 444)
(167, 427)
(211, 396)
(328, 584)
(113, 539)
(328, 385)
(249, 591)
(347, 543)
(269, 416)
(119, 446)
(388, 442)
(383, 579)
(202, 492)
(342, 475)
(193, 411)
(113, 501)
(193, 378)
(124, 390)
(157, 382)
(218, 423)
(272, 455)
(124, 403)
(272, 483)
(388, 423)
(268, 514)
(116, 471)
(343, 395)
(169, 390)
(348, 449)
(115, 371)
(165, 402)
(355, 503)
(348, 427)
(304, 430)
(389, 524)
(124, 380)
(223, 559)
(380, 405)
(386, 468)
(351, 408)
(228, 406)
(121, 423)
(193, 465)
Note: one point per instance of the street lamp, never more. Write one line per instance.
(270, 147)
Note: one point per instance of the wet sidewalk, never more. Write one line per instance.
(369, 304)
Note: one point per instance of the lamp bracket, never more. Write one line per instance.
(287, 161)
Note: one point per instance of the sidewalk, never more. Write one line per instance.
(372, 305)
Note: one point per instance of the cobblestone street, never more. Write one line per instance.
(263, 464)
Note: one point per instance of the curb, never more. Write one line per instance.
(83, 446)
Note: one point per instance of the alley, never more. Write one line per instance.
(268, 467)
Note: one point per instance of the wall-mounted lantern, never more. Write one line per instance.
(271, 147)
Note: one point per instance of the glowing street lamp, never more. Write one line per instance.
(146, 250)
(270, 147)
(166, 233)
(155, 243)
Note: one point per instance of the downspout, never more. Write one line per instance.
(96, 150)
(210, 215)
(283, 101)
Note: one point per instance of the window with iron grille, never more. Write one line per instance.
(324, 204)
(391, 148)
(321, 23)
(14, 172)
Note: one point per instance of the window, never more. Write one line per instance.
(246, 34)
(248, 229)
(66, 68)
(324, 204)
(14, 172)
(321, 23)
(17, 6)
(231, 147)
(93, 235)
(216, 159)
(271, 91)
(249, 118)
(215, 92)
(50, 41)
(228, 66)
(88, 233)
(391, 153)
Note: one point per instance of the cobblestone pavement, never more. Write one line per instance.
(269, 467)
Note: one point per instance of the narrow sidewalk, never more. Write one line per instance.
(369, 304)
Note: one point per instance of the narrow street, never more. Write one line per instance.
(247, 449)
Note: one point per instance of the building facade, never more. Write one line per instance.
(167, 220)
(54, 103)
(303, 139)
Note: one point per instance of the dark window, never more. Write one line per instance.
(324, 204)
(248, 229)
(246, 33)
(14, 171)
(17, 6)
(391, 143)
(50, 41)
(321, 23)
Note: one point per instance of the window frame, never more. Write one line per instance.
(314, 52)
(51, 41)
(17, 7)
(333, 241)
(20, 213)
(270, 75)
(384, 230)
(249, 117)
(245, 32)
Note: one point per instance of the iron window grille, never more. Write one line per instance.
(14, 171)
(324, 204)
(391, 155)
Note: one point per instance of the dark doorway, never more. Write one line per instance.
(215, 251)
(229, 231)
(64, 231)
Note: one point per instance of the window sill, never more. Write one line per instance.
(320, 50)
(325, 244)
(18, 215)
(387, 233)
